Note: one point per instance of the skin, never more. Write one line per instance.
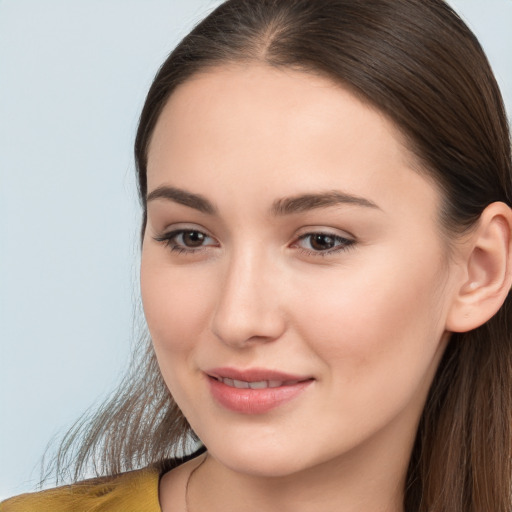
(367, 322)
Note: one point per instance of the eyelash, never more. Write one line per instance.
(343, 244)
(169, 240)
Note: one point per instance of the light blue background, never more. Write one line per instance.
(73, 76)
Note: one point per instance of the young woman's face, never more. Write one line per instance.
(294, 277)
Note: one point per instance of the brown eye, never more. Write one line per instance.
(323, 243)
(320, 242)
(187, 240)
(193, 238)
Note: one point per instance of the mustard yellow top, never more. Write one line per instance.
(135, 491)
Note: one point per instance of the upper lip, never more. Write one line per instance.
(254, 375)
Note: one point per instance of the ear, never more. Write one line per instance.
(487, 265)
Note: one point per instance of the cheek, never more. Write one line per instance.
(380, 325)
(176, 304)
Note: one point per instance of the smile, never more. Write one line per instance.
(254, 391)
(261, 384)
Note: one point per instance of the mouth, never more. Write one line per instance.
(259, 384)
(254, 391)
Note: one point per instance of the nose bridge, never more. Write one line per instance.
(248, 306)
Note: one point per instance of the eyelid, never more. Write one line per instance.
(330, 231)
(180, 227)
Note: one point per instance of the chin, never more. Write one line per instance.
(262, 464)
(262, 459)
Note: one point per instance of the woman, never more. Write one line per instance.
(325, 272)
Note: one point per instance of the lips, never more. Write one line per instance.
(254, 391)
(260, 384)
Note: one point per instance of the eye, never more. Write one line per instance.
(321, 244)
(187, 240)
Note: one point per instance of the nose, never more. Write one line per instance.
(249, 307)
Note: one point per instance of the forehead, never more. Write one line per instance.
(262, 128)
(257, 94)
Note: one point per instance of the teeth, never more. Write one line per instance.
(240, 384)
(261, 384)
(258, 385)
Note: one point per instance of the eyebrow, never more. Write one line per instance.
(305, 202)
(280, 207)
(196, 201)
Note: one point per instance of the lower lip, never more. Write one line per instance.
(254, 401)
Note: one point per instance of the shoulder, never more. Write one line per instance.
(135, 491)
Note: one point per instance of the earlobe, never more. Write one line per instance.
(488, 270)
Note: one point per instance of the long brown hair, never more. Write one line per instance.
(419, 64)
